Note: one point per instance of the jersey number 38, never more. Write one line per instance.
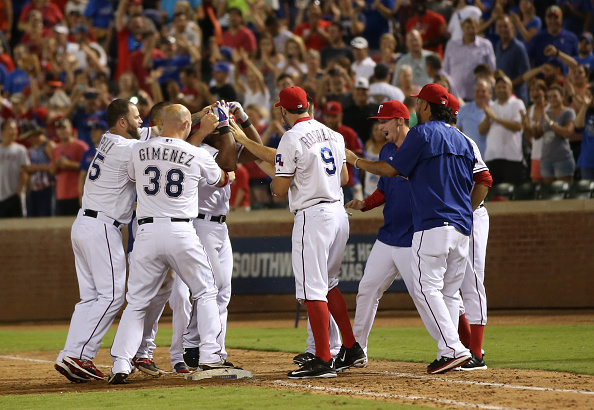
(174, 181)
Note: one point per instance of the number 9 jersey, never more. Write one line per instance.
(318, 153)
(167, 171)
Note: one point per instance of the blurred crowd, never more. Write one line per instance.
(520, 68)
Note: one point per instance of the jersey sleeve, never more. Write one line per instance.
(145, 133)
(131, 172)
(285, 161)
(209, 168)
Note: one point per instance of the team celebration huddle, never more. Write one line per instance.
(171, 183)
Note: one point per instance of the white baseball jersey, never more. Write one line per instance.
(146, 133)
(319, 154)
(213, 200)
(107, 187)
(169, 170)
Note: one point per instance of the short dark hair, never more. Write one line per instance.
(297, 111)
(236, 10)
(157, 110)
(6, 122)
(338, 25)
(440, 112)
(117, 109)
(433, 61)
(189, 70)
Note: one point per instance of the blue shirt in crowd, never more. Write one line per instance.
(171, 67)
(87, 158)
(586, 159)
(82, 122)
(469, 118)
(16, 81)
(438, 161)
(514, 62)
(588, 61)
(100, 12)
(565, 41)
(398, 224)
(571, 23)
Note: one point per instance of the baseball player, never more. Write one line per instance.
(474, 299)
(166, 171)
(310, 151)
(438, 160)
(97, 244)
(391, 253)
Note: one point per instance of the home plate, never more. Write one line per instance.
(220, 374)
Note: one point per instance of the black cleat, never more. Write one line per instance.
(315, 368)
(446, 364)
(476, 363)
(354, 356)
(302, 358)
(192, 357)
(118, 378)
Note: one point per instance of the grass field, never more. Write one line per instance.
(565, 348)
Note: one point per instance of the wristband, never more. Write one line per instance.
(224, 130)
(246, 124)
(226, 179)
(355, 164)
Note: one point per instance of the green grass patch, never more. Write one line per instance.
(560, 348)
(196, 397)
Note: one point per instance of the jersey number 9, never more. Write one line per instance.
(328, 158)
(173, 186)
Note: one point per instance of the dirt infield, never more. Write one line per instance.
(381, 381)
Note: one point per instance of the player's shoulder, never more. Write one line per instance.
(387, 150)
(209, 148)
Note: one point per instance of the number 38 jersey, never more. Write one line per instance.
(313, 155)
(167, 172)
(107, 186)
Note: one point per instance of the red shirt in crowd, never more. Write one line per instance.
(431, 26)
(243, 38)
(352, 142)
(51, 14)
(315, 41)
(67, 180)
(242, 182)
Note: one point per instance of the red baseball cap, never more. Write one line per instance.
(391, 109)
(454, 104)
(433, 93)
(292, 98)
(332, 108)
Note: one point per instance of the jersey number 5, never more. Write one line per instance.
(174, 185)
(328, 158)
(95, 169)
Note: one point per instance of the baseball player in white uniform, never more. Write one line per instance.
(167, 171)
(99, 256)
(473, 304)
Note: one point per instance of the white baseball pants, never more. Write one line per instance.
(383, 265)
(438, 264)
(215, 238)
(473, 286)
(159, 246)
(100, 264)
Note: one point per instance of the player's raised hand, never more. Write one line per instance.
(355, 204)
(237, 132)
(222, 108)
(238, 111)
(209, 123)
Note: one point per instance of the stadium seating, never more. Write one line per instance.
(556, 191)
(501, 192)
(583, 189)
(527, 191)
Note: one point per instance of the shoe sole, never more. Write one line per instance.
(458, 362)
(72, 363)
(319, 376)
(214, 367)
(65, 371)
(149, 371)
(118, 378)
(470, 369)
(356, 363)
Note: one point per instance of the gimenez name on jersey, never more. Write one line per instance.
(175, 156)
(317, 136)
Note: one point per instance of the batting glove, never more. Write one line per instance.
(238, 111)
(222, 109)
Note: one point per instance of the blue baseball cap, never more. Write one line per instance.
(221, 66)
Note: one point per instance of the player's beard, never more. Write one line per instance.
(132, 131)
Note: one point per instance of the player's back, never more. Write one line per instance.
(107, 186)
(167, 172)
(314, 155)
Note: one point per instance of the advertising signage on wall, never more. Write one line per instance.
(263, 265)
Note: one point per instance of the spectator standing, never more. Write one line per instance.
(532, 126)
(405, 82)
(184, 27)
(372, 152)
(171, 63)
(41, 181)
(434, 68)
(238, 36)
(18, 79)
(563, 40)
(584, 124)
(332, 115)
(511, 57)
(52, 14)
(86, 114)
(526, 22)
(557, 162)
(13, 179)
(315, 31)
(254, 88)
(362, 108)
(462, 12)
(336, 81)
(336, 49)
(278, 31)
(363, 65)
(66, 158)
(100, 14)
(240, 190)
(131, 33)
(388, 52)
(585, 55)
(503, 126)
(486, 26)
(431, 25)
(377, 16)
(472, 113)
(577, 15)
(415, 58)
(222, 90)
(380, 91)
(295, 53)
(462, 56)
